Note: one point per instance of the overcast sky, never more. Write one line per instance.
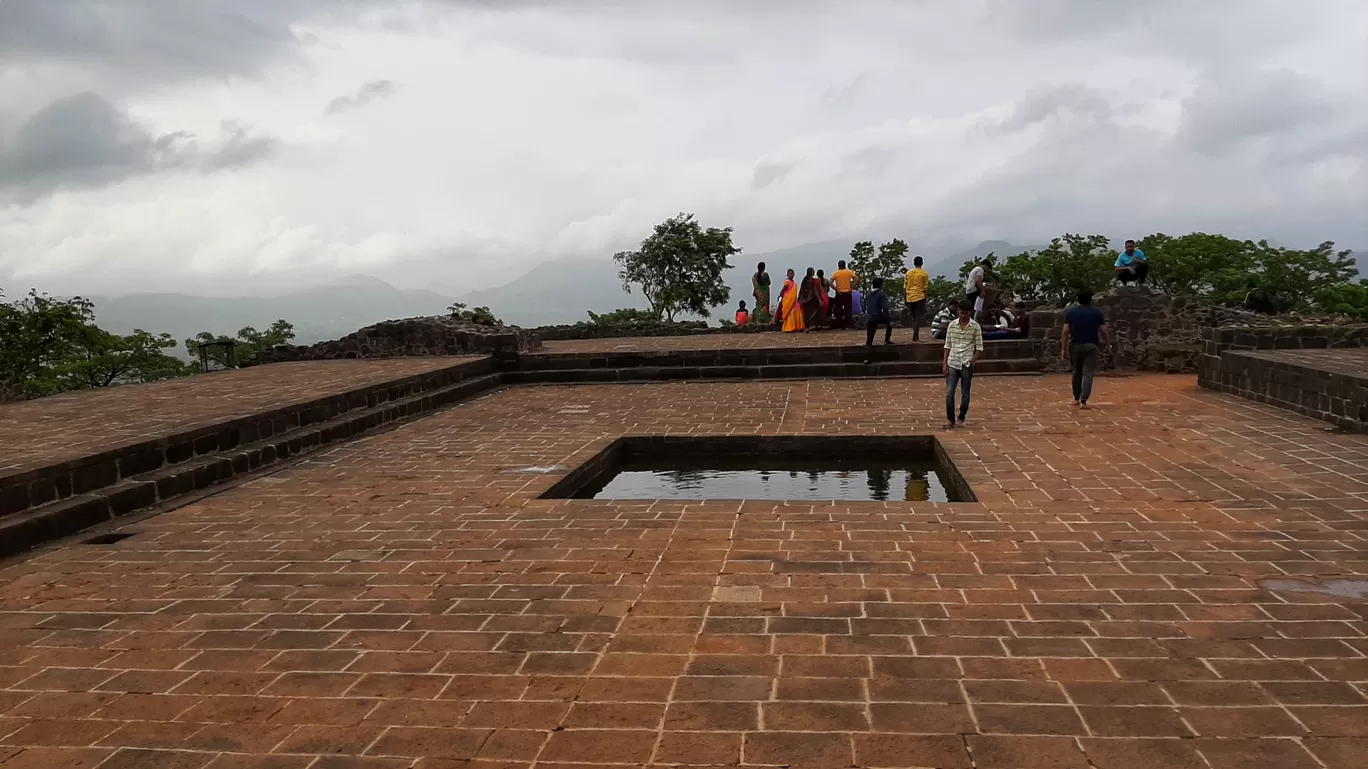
(180, 144)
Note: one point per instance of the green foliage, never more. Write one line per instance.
(1349, 299)
(941, 291)
(480, 315)
(888, 262)
(679, 267)
(1059, 271)
(110, 359)
(1224, 271)
(249, 341)
(861, 256)
(53, 345)
(621, 317)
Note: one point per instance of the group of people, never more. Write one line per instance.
(817, 301)
(805, 304)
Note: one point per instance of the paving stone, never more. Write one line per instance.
(405, 600)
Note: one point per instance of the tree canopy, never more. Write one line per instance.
(679, 267)
(1212, 268)
(53, 345)
(249, 341)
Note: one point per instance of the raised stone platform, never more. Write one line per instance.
(74, 460)
(821, 355)
(406, 601)
(1331, 385)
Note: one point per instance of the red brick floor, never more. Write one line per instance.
(405, 600)
(759, 340)
(63, 427)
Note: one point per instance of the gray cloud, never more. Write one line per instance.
(367, 93)
(173, 39)
(769, 172)
(84, 141)
(1043, 104)
(1225, 111)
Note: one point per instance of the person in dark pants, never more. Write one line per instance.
(963, 346)
(877, 314)
(1131, 265)
(844, 281)
(1085, 330)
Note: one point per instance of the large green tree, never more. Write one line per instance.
(107, 359)
(889, 261)
(679, 267)
(249, 341)
(53, 345)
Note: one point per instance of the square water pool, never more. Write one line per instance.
(785, 468)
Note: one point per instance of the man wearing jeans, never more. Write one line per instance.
(963, 346)
(1085, 329)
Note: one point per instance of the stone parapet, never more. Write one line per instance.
(410, 338)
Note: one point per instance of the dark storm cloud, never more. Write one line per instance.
(84, 141)
(367, 93)
(167, 37)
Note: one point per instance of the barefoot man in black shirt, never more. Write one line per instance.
(1085, 329)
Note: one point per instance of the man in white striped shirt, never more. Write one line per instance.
(963, 346)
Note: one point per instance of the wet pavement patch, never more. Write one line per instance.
(1340, 588)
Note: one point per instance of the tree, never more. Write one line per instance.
(679, 267)
(109, 359)
(622, 317)
(249, 341)
(888, 262)
(482, 316)
(941, 291)
(1224, 271)
(862, 257)
(53, 345)
(41, 337)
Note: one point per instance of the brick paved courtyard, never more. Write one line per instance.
(405, 600)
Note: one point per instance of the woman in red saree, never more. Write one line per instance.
(789, 312)
(823, 289)
(810, 304)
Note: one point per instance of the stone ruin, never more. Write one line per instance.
(412, 337)
(1153, 331)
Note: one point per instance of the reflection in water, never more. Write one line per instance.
(914, 483)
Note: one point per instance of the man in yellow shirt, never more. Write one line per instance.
(845, 281)
(916, 284)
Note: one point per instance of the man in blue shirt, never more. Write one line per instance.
(1085, 329)
(877, 314)
(1131, 265)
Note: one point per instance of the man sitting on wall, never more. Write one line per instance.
(1131, 265)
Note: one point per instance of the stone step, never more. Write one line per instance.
(894, 368)
(61, 480)
(778, 356)
(63, 518)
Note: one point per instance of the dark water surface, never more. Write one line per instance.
(855, 481)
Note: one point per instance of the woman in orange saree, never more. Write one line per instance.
(789, 312)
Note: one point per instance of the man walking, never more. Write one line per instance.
(845, 281)
(975, 284)
(915, 284)
(1131, 265)
(877, 314)
(963, 346)
(1085, 330)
